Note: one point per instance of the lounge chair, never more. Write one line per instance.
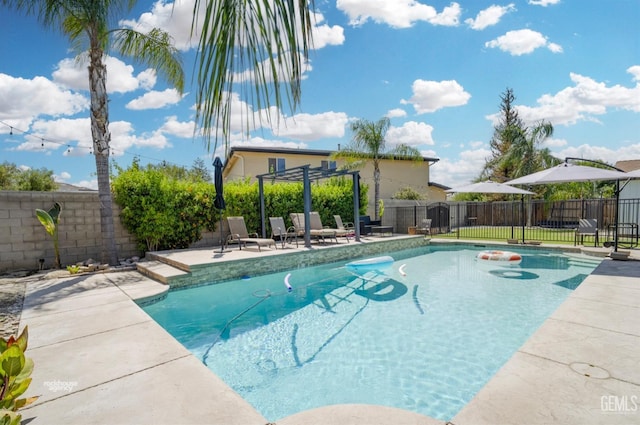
(281, 231)
(319, 233)
(316, 224)
(241, 236)
(347, 227)
(425, 227)
(586, 227)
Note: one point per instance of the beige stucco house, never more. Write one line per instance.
(395, 174)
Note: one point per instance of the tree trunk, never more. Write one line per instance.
(101, 139)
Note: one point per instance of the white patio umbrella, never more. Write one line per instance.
(566, 173)
(489, 187)
(495, 187)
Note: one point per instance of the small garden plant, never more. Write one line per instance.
(15, 378)
(49, 220)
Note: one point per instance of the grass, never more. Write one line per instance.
(502, 233)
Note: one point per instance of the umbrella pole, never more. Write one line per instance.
(221, 240)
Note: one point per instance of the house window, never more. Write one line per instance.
(329, 165)
(276, 165)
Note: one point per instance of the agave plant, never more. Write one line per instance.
(15, 378)
(49, 220)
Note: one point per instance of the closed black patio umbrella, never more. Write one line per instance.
(218, 202)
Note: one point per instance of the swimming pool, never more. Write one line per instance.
(426, 341)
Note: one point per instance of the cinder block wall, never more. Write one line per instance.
(23, 239)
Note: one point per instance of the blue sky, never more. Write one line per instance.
(436, 68)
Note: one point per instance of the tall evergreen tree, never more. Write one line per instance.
(505, 132)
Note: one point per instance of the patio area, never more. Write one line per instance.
(100, 359)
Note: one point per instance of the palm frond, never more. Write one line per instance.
(268, 38)
(154, 49)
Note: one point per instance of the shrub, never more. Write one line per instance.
(165, 213)
(15, 378)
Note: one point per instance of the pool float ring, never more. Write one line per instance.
(370, 264)
(504, 257)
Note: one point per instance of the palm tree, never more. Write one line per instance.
(369, 144)
(272, 38)
(525, 154)
(87, 24)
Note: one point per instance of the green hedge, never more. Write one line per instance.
(164, 213)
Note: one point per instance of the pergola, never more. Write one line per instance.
(306, 174)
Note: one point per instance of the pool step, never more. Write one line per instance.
(157, 270)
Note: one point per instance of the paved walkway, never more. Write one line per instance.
(101, 360)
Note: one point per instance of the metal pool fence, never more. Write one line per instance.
(545, 221)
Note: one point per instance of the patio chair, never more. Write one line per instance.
(281, 231)
(425, 227)
(316, 224)
(318, 232)
(241, 236)
(586, 227)
(348, 227)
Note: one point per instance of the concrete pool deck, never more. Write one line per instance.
(100, 359)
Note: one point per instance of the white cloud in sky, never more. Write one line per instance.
(584, 101)
(521, 42)
(396, 113)
(399, 13)
(325, 35)
(173, 17)
(411, 133)
(21, 98)
(461, 170)
(309, 127)
(543, 3)
(176, 128)
(74, 75)
(489, 16)
(429, 96)
(155, 100)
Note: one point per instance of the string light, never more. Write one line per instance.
(89, 149)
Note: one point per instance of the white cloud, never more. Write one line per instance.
(459, 171)
(180, 129)
(62, 177)
(174, 18)
(325, 35)
(489, 16)
(155, 100)
(399, 13)
(411, 133)
(543, 3)
(429, 96)
(73, 74)
(312, 126)
(521, 42)
(249, 74)
(584, 101)
(21, 98)
(397, 113)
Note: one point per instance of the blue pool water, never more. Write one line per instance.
(425, 342)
